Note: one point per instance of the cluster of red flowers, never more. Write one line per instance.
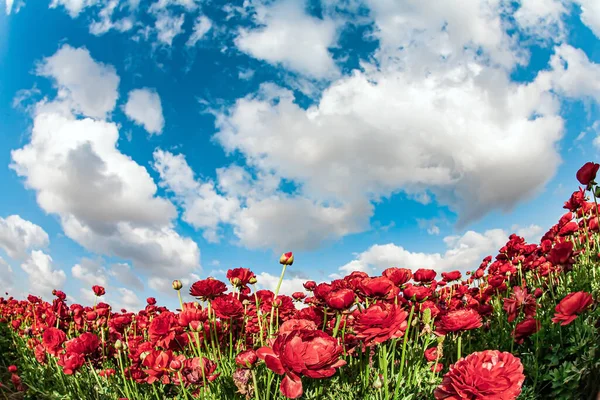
(184, 347)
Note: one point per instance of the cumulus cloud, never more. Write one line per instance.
(87, 86)
(43, 278)
(168, 26)
(73, 7)
(18, 236)
(288, 285)
(6, 277)
(90, 272)
(201, 27)
(289, 36)
(105, 22)
(124, 274)
(144, 108)
(127, 299)
(105, 201)
(590, 14)
(542, 18)
(463, 253)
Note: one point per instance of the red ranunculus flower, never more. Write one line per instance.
(379, 288)
(246, 359)
(485, 375)
(519, 300)
(573, 304)
(459, 320)
(162, 329)
(310, 285)
(340, 299)
(157, 365)
(98, 290)
(70, 362)
(302, 352)
(208, 289)
(420, 293)
(587, 173)
(451, 276)
(431, 354)
(227, 307)
(561, 253)
(297, 324)
(398, 275)
(151, 301)
(198, 370)
(240, 277)
(53, 339)
(85, 344)
(298, 296)
(379, 323)
(424, 275)
(525, 329)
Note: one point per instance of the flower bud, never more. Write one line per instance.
(378, 382)
(12, 369)
(246, 359)
(175, 365)
(177, 284)
(252, 280)
(286, 258)
(118, 345)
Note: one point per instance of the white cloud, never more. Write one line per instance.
(88, 297)
(18, 236)
(85, 85)
(73, 7)
(43, 278)
(105, 23)
(531, 233)
(291, 37)
(168, 26)
(542, 18)
(288, 285)
(464, 253)
(90, 271)
(201, 27)
(127, 299)
(9, 4)
(590, 14)
(6, 277)
(124, 274)
(144, 108)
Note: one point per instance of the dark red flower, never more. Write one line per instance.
(298, 296)
(519, 300)
(431, 354)
(424, 275)
(398, 275)
(70, 362)
(378, 288)
(341, 299)
(451, 276)
(98, 290)
(246, 359)
(85, 344)
(227, 307)
(525, 329)
(241, 277)
(561, 253)
(162, 329)
(53, 339)
(380, 322)
(198, 370)
(297, 324)
(208, 289)
(587, 173)
(458, 321)
(302, 352)
(485, 375)
(310, 285)
(151, 301)
(573, 304)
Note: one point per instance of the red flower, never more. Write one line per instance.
(157, 365)
(398, 275)
(431, 354)
(340, 299)
(561, 253)
(53, 340)
(451, 276)
(420, 293)
(98, 290)
(302, 352)
(485, 375)
(587, 173)
(519, 300)
(379, 288)
(424, 275)
(162, 329)
(85, 344)
(310, 285)
(525, 329)
(227, 307)
(151, 301)
(379, 323)
(12, 369)
(71, 362)
(298, 296)
(573, 304)
(459, 320)
(208, 289)
(297, 324)
(198, 370)
(246, 359)
(241, 277)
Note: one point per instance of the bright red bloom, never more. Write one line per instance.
(431, 354)
(519, 300)
(151, 301)
(561, 253)
(302, 352)
(379, 288)
(424, 275)
(587, 173)
(485, 375)
(98, 290)
(451, 276)
(297, 324)
(398, 275)
(310, 285)
(298, 296)
(240, 277)
(459, 320)
(157, 365)
(208, 289)
(12, 369)
(71, 362)
(525, 329)
(420, 293)
(246, 359)
(85, 344)
(162, 329)
(227, 307)
(573, 304)
(53, 339)
(380, 322)
(340, 299)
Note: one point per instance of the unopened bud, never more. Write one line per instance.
(175, 365)
(378, 382)
(177, 284)
(252, 280)
(118, 345)
(286, 258)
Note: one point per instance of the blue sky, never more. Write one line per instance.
(143, 141)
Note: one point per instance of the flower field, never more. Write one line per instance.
(523, 324)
